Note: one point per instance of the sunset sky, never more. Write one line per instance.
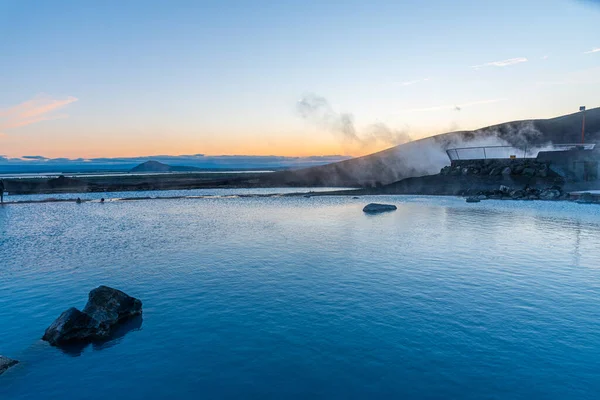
(128, 78)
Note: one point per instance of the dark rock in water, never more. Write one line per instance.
(6, 363)
(110, 306)
(71, 325)
(356, 197)
(585, 198)
(105, 309)
(377, 208)
(473, 200)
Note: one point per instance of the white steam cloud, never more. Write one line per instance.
(317, 110)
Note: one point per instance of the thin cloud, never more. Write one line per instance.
(596, 50)
(41, 108)
(455, 107)
(503, 63)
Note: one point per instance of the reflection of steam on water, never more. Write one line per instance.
(317, 110)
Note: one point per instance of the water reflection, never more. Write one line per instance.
(77, 348)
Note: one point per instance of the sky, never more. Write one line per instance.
(136, 78)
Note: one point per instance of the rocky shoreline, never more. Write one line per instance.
(527, 193)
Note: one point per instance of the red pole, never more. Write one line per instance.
(583, 128)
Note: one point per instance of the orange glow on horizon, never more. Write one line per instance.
(125, 148)
(57, 144)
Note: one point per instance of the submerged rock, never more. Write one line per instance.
(105, 309)
(377, 208)
(473, 199)
(6, 363)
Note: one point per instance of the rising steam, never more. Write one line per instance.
(317, 110)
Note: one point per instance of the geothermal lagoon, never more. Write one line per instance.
(296, 297)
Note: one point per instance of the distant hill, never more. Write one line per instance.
(155, 166)
(427, 156)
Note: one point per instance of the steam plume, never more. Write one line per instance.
(317, 110)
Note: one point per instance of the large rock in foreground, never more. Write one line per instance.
(377, 208)
(72, 325)
(109, 307)
(105, 309)
(6, 363)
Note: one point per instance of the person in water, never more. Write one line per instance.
(1, 192)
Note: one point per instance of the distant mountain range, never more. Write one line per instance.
(427, 156)
(40, 164)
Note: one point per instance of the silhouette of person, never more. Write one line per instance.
(1, 192)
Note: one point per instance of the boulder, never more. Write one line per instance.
(71, 325)
(529, 171)
(517, 194)
(110, 306)
(506, 171)
(105, 309)
(6, 363)
(496, 171)
(542, 172)
(550, 194)
(377, 208)
(473, 199)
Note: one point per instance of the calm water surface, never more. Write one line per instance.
(308, 298)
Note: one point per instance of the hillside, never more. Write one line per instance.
(155, 166)
(427, 156)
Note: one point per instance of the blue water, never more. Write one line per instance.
(167, 193)
(308, 298)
